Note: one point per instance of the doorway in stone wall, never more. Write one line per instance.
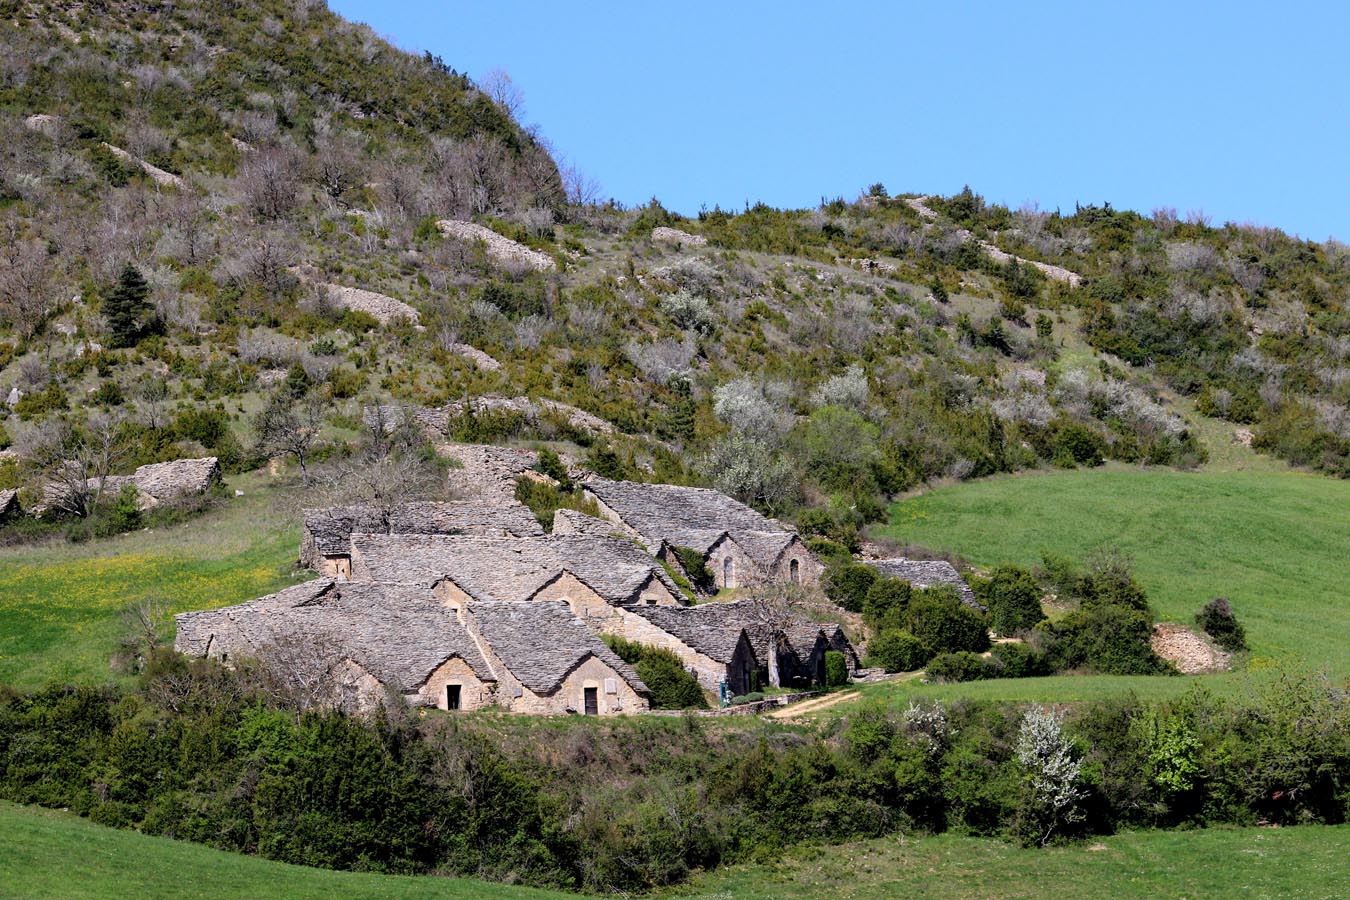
(452, 692)
(592, 701)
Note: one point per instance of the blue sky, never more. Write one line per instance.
(1239, 109)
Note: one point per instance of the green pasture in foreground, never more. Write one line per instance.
(62, 606)
(1308, 862)
(53, 854)
(1274, 543)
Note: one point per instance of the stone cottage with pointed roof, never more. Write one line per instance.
(362, 645)
(325, 544)
(592, 574)
(739, 546)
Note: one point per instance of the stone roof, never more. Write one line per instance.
(691, 517)
(333, 527)
(155, 483)
(713, 629)
(569, 521)
(924, 573)
(9, 502)
(397, 633)
(541, 643)
(662, 234)
(508, 568)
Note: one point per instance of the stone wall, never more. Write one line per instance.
(473, 692)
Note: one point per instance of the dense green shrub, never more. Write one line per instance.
(847, 584)
(897, 651)
(127, 307)
(939, 619)
(1110, 639)
(1013, 598)
(671, 685)
(1216, 619)
(1015, 660)
(946, 668)
(886, 604)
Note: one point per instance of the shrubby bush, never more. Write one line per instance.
(1216, 619)
(960, 666)
(897, 651)
(1013, 598)
(937, 617)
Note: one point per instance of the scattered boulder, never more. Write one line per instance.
(499, 248)
(1191, 653)
(663, 235)
(43, 124)
(12, 400)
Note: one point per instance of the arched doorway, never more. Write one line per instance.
(728, 572)
(795, 571)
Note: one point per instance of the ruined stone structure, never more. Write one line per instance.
(739, 546)
(155, 483)
(498, 247)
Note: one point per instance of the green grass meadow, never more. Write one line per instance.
(62, 606)
(50, 854)
(45, 853)
(1274, 543)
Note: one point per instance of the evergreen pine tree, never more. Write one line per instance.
(126, 306)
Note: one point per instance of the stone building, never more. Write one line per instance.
(710, 647)
(355, 646)
(592, 574)
(155, 483)
(730, 641)
(325, 544)
(925, 573)
(549, 662)
(739, 547)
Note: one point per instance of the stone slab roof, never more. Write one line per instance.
(713, 629)
(569, 521)
(396, 632)
(332, 527)
(9, 502)
(691, 517)
(924, 573)
(511, 569)
(541, 643)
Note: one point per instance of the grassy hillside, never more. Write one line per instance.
(1273, 543)
(52, 854)
(63, 606)
(1228, 863)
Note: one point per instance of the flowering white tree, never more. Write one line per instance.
(1051, 775)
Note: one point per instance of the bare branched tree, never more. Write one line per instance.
(504, 92)
(74, 462)
(287, 426)
(25, 284)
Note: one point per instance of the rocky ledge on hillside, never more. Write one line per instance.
(499, 248)
(663, 235)
(383, 308)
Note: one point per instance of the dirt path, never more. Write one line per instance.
(813, 705)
